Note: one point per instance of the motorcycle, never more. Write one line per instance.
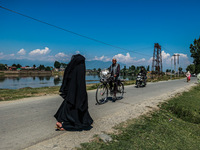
(140, 81)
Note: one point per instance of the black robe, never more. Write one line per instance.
(73, 112)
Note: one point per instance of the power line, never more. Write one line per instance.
(167, 50)
(93, 39)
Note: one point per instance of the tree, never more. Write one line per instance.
(195, 53)
(41, 67)
(2, 67)
(180, 69)
(47, 68)
(168, 70)
(57, 64)
(14, 65)
(34, 66)
(18, 66)
(99, 70)
(191, 68)
(63, 65)
(132, 68)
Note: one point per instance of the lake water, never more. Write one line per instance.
(44, 81)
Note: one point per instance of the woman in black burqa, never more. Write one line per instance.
(73, 113)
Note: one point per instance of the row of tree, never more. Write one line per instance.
(180, 69)
(133, 70)
(59, 65)
(195, 54)
(40, 67)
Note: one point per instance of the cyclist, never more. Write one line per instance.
(114, 70)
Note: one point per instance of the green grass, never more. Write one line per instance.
(12, 94)
(157, 131)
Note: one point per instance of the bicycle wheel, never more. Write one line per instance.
(120, 91)
(101, 94)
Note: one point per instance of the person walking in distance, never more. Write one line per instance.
(188, 75)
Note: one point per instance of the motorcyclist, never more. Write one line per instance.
(114, 70)
(143, 74)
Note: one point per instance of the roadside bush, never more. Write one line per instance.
(186, 107)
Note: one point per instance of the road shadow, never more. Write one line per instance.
(110, 98)
(140, 86)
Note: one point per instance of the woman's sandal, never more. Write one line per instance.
(59, 126)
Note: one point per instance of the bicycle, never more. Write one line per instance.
(103, 90)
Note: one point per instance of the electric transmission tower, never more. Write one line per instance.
(157, 59)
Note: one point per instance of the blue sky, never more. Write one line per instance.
(130, 24)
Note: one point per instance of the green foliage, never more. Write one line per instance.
(180, 69)
(41, 67)
(18, 66)
(168, 70)
(195, 53)
(47, 68)
(10, 94)
(99, 70)
(63, 65)
(2, 67)
(14, 65)
(132, 68)
(191, 68)
(57, 64)
(186, 107)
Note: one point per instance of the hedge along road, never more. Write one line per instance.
(29, 121)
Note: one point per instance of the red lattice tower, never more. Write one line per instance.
(157, 59)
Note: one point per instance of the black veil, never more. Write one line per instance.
(73, 112)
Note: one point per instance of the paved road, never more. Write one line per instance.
(27, 122)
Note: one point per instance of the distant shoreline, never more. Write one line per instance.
(24, 73)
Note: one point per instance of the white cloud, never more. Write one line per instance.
(21, 52)
(39, 52)
(102, 58)
(78, 52)
(165, 55)
(127, 59)
(61, 57)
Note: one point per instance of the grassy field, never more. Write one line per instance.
(9, 94)
(176, 125)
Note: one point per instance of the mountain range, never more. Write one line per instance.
(89, 64)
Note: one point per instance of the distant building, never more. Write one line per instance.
(12, 68)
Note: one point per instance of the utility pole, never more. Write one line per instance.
(178, 63)
(157, 59)
(171, 69)
(174, 64)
